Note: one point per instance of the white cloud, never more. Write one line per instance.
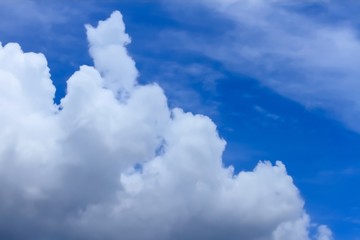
(106, 41)
(324, 233)
(301, 57)
(116, 162)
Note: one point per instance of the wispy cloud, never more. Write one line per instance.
(266, 113)
(299, 54)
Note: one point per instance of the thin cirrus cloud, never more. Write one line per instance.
(306, 56)
(112, 161)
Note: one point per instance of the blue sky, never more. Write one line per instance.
(279, 79)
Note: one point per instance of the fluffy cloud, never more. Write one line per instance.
(304, 50)
(112, 161)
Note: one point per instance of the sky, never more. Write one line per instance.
(221, 119)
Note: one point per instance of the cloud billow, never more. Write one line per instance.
(114, 162)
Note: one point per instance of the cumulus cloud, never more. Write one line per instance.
(112, 161)
(308, 57)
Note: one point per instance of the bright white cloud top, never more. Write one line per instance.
(114, 162)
